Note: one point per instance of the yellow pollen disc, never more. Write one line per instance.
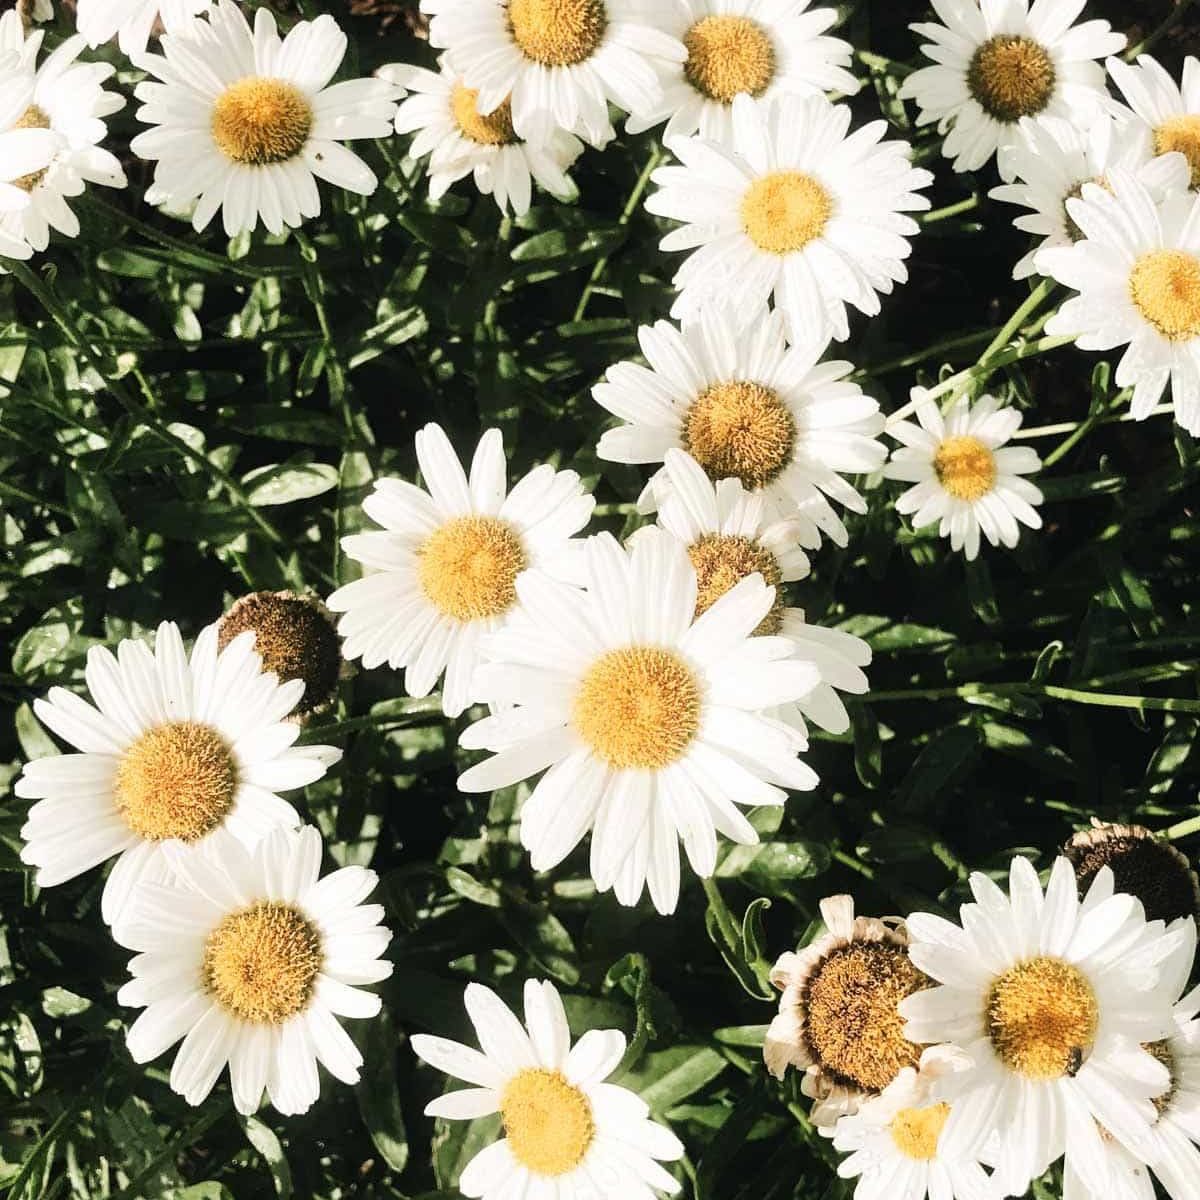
(32, 118)
(915, 1131)
(742, 430)
(638, 708)
(965, 467)
(783, 211)
(177, 780)
(1011, 77)
(494, 129)
(1165, 1055)
(260, 964)
(1165, 285)
(1182, 134)
(852, 1022)
(548, 1122)
(1042, 1016)
(469, 567)
(557, 33)
(723, 560)
(260, 121)
(727, 56)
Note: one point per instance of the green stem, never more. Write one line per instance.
(959, 342)
(725, 921)
(1173, 19)
(1182, 829)
(951, 210)
(848, 860)
(335, 375)
(978, 691)
(888, 66)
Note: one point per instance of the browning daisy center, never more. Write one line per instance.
(965, 467)
(260, 121)
(1162, 1052)
(729, 55)
(32, 118)
(1011, 77)
(558, 33)
(468, 568)
(915, 1131)
(491, 129)
(740, 429)
(1181, 134)
(783, 211)
(1165, 285)
(722, 560)
(548, 1121)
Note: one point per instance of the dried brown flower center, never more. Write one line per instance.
(722, 560)
(1011, 77)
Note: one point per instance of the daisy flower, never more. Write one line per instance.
(246, 122)
(567, 1133)
(1052, 160)
(25, 153)
(1137, 270)
(758, 48)
(729, 391)
(460, 140)
(1003, 60)
(173, 749)
(650, 720)
(964, 475)
(556, 63)
(448, 560)
(1052, 999)
(1166, 114)
(792, 208)
(133, 21)
(251, 958)
(838, 1018)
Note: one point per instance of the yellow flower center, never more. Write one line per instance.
(965, 467)
(729, 55)
(783, 211)
(557, 33)
(1042, 1017)
(177, 780)
(493, 129)
(723, 560)
(742, 430)
(468, 568)
(1181, 133)
(260, 121)
(261, 963)
(1165, 285)
(638, 708)
(32, 118)
(548, 1122)
(1011, 77)
(915, 1131)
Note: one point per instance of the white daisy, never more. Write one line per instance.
(1051, 998)
(1166, 113)
(133, 21)
(567, 1133)
(250, 958)
(651, 720)
(460, 141)
(791, 208)
(25, 152)
(1052, 160)
(176, 748)
(247, 122)
(760, 48)
(448, 560)
(557, 63)
(996, 61)
(728, 389)
(965, 477)
(1138, 274)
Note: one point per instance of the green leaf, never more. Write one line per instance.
(263, 1138)
(287, 484)
(378, 1093)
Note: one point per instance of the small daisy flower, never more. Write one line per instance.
(1052, 999)
(250, 957)
(460, 140)
(1004, 60)
(1137, 270)
(246, 122)
(173, 750)
(448, 560)
(25, 155)
(556, 63)
(728, 390)
(794, 209)
(838, 1018)
(757, 48)
(133, 21)
(1166, 113)
(965, 477)
(651, 721)
(567, 1133)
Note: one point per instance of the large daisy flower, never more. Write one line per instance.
(1166, 113)
(997, 61)
(25, 151)
(792, 208)
(758, 48)
(460, 140)
(1052, 999)
(567, 1133)
(250, 958)
(1138, 274)
(246, 122)
(448, 560)
(133, 21)
(650, 720)
(728, 389)
(964, 475)
(556, 63)
(173, 750)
